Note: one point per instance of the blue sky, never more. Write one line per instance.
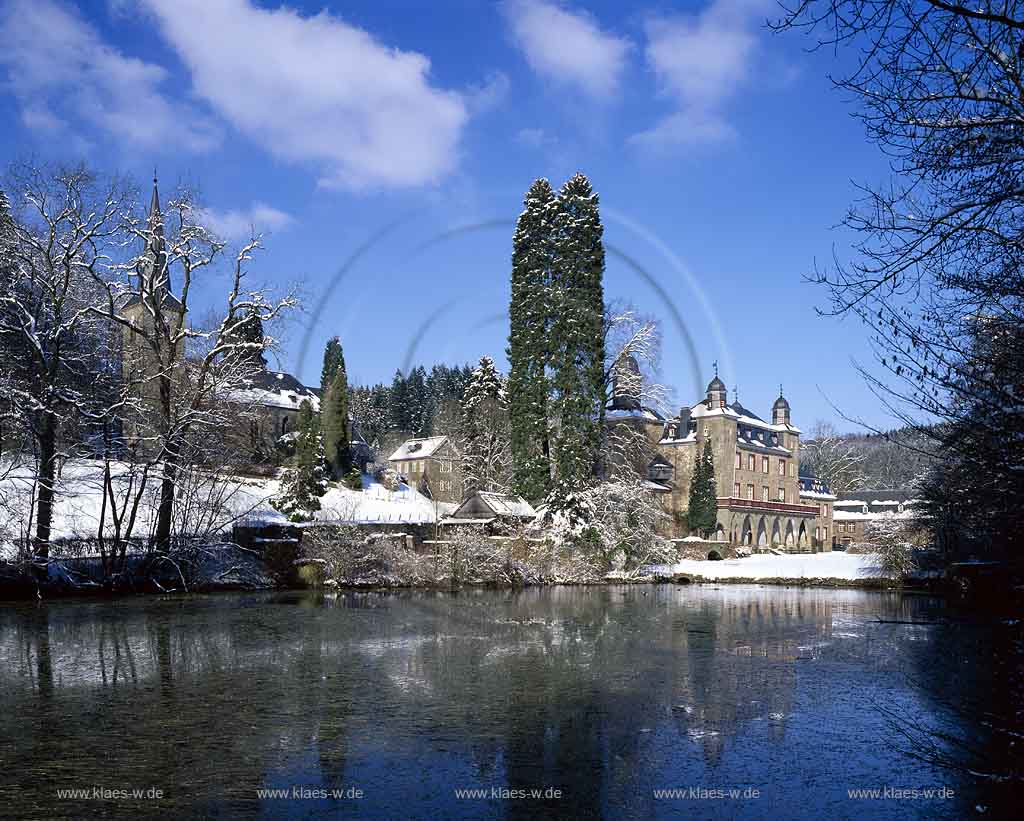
(398, 138)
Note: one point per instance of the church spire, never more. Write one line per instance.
(155, 223)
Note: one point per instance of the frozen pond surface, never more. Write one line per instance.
(607, 695)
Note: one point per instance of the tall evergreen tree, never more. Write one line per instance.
(247, 336)
(334, 360)
(398, 404)
(529, 322)
(334, 422)
(576, 336)
(304, 484)
(486, 456)
(702, 513)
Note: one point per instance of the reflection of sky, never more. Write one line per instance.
(609, 692)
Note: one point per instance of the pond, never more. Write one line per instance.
(749, 702)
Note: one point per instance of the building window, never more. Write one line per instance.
(736, 490)
(739, 460)
(284, 425)
(751, 461)
(817, 533)
(764, 493)
(825, 533)
(782, 494)
(792, 469)
(782, 467)
(446, 466)
(764, 464)
(750, 491)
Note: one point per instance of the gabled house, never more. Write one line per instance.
(491, 511)
(432, 465)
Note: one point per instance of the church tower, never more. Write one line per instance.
(147, 353)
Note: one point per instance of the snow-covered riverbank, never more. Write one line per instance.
(801, 568)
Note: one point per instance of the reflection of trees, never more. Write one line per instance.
(582, 689)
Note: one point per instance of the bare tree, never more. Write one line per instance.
(190, 380)
(832, 458)
(62, 239)
(937, 274)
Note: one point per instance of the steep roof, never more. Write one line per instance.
(277, 389)
(500, 504)
(418, 448)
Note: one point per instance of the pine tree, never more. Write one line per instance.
(334, 360)
(304, 484)
(334, 422)
(248, 341)
(529, 321)
(398, 404)
(702, 514)
(417, 402)
(485, 430)
(576, 336)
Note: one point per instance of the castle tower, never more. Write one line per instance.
(627, 384)
(157, 313)
(717, 394)
(780, 410)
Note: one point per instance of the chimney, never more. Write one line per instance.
(684, 422)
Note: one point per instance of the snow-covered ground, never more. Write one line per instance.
(835, 565)
(80, 496)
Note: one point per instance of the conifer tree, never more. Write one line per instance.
(303, 485)
(702, 513)
(576, 336)
(334, 422)
(334, 360)
(529, 321)
(246, 337)
(485, 436)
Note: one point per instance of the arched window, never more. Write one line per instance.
(284, 425)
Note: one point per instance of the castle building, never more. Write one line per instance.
(763, 502)
(156, 317)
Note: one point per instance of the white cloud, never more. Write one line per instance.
(568, 47)
(535, 137)
(701, 61)
(318, 90)
(61, 71)
(237, 224)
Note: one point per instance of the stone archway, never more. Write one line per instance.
(720, 533)
(776, 534)
(802, 540)
(790, 534)
(747, 533)
(762, 533)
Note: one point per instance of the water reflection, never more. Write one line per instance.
(604, 694)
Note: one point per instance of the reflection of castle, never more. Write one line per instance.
(762, 500)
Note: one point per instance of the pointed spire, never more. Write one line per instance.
(780, 389)
(715, 363)
(156, 221)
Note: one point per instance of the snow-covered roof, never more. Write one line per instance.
(277, 389)
(646, 414)
(505, 504)
(817, 494)
(499, 504)
(417, 448)
(657, 487)
(741, 415)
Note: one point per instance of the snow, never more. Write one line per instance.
(290, 400)
(640, 413)
(836, 565)
(246, 499)
(417, 448)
